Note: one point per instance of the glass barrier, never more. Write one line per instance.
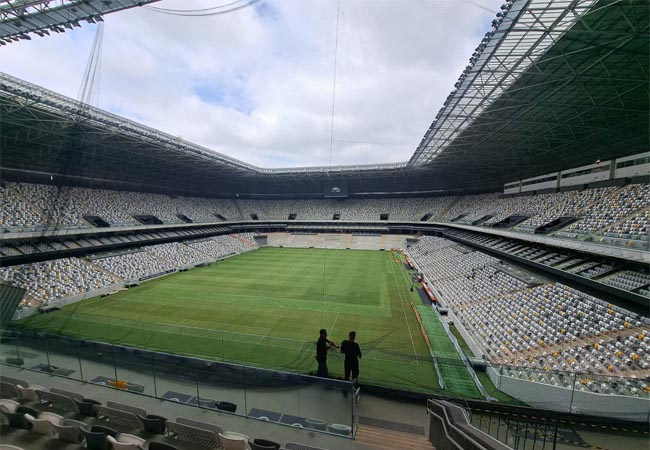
(222, 386)
(135, 369)
(381, 365)
(33, 351)
(637, 242)
(63, 356)
(97, 362)
(152, 358)
(625, 398)
(150, 369)
(613, 242)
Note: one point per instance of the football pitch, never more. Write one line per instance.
(264, 308)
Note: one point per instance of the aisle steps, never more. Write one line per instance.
(374, 438)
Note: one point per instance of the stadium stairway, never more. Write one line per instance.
(241, 214)
(101, 269)
(443, 213)
(624, 219)
(374, 438)
(594, 202)
(244, 240)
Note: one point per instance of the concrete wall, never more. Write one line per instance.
(27, 312)
(556, 398)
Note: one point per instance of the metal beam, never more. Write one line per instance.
(24, 19)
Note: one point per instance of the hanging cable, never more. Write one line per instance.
(336, 50)
(88, 89)
(90, 81)
(204, 12)
(157, 8)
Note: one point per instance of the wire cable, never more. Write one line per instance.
(336, 47)
(202, 12)
(194, 10)
(336, 50)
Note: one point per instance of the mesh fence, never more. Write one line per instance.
(383, 363)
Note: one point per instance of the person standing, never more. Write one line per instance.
(352, 356)
(322, 346)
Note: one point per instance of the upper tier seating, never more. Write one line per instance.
(15, 213)
(401, 209)
(40, 205)
(615, 212)
(562, 204)
(614, 208)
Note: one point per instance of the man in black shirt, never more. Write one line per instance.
(322, 345)
(352, 355)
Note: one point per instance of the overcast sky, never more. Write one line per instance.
(256, 84)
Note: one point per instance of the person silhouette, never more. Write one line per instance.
(322, 345)
(352, 354)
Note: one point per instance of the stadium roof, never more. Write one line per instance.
(19, 18)
(554, 85)
(557, 84)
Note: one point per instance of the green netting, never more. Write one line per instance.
(455, 374)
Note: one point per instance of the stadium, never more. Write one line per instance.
(159, 294)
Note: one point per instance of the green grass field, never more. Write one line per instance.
(264, 308)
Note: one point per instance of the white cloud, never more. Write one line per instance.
(258, 87)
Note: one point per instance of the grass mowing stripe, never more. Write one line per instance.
(264, 308)
(401, 301)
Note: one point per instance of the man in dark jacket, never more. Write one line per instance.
(322, 345)
(352, 356)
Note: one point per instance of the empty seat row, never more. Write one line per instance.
(115, 425)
